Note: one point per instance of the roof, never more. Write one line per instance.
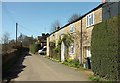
(78, 18)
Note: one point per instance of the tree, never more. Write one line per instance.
(73, 18)
(55, 26)
(25, 40)
(5, 42)
(68, 39)
(12, 42)
(21, 37)
(5, 38)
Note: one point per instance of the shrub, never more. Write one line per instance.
(75, 63)
(105, 48)
(55, 49)
(94, 78)
(72, 63)
(33, 48)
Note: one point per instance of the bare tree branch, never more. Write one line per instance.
(5, 38)
(73, 17)
(55, 26)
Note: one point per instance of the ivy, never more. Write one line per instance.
(55, 47)
(68, 39)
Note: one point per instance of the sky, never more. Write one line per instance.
(35, 18)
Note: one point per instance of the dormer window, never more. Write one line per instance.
(90, 19)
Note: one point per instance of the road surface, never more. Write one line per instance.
(39, 68)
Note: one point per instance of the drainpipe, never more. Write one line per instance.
(81, 44)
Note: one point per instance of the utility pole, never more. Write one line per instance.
(16, 32)
(81, 45)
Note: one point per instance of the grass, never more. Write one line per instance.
(98, 79)
(53, 59)
(72, 64)
(94, 78)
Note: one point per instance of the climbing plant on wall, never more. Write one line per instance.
(67, 39)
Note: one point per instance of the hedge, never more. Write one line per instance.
(55, 53)
(8, 60)
(105, 49)
(34, 48)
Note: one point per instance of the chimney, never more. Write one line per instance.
(103, 1)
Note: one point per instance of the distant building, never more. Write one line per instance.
(42, 40)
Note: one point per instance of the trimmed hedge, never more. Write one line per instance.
(105, 49)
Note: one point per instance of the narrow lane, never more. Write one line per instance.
(38, 68)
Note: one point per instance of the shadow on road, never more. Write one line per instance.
(17, 67)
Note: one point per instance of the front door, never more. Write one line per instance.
(62, 52)
(88, 53)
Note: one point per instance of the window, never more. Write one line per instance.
(90, 19)
(71, 28)
(88, 53)
(71, 49)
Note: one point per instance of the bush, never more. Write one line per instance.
(56, 56)
(105, 48)
(33, 48)
(75, 63)
(72, 63)
(55, 50)
(94, 78)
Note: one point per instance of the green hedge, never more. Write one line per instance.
(34, 48)
(105, 49)
(55, 49)
(54, 53)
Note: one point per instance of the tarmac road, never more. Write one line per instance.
(39, 68)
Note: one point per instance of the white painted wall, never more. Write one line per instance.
(88, 52)
(62, 52)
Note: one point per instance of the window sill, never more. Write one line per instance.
(71, 53)
(72, 32)
(89, 26)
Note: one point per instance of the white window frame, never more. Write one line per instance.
(70, 47)
(72, 28)
(88, 17)
(88, 52)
